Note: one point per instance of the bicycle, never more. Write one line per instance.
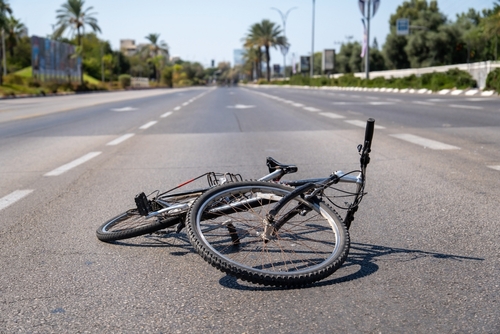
(270, 232)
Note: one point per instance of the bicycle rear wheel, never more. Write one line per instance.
(227, 227)
(131, 224)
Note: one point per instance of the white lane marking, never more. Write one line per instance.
(297, 105)
(312, 109)
(495, 167)
(465, 107)
(168, 113)
(13, 197)
(124, 109)
(240, 106)
(331, 115)
(148, 125)
(363, 124)
(341, 103)
(72, 164)
(432, 144)
(423, 103)
(120, 139)
(177, 108)
(185, 103)
(394, 100)
(380, 103)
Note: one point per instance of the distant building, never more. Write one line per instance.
(128, 47)
(238, 57)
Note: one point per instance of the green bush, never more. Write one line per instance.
(13, 79)
(493, 80)
(125, 80)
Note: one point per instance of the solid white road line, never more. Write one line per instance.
(432, 144)
(148, 125)
(331, 115)
(13, 197)
(363, 124)
(168, 113)
(495, 167)
(465, 107)
(312, 109)
(120, 139)
(72, 164)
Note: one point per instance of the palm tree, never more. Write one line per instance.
(267, 34)
(13, 29)
(156, 51)
(74, 17)
(4, 9)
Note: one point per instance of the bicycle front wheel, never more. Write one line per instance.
(228, 227)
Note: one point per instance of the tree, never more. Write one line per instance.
(13, 31)
(266, 34)
(4, 10)
(156, 52)
(74, 17)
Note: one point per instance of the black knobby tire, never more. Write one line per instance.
(309, 245)
(130, 225)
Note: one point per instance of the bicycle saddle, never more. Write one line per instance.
(274, 165)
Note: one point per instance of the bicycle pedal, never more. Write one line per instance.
(143, 205)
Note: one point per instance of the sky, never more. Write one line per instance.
(205, 30)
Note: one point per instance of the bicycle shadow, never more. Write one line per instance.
(361, 255)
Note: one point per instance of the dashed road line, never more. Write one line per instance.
(362, 124)
(495, 167)
(312, 109)
(297, 104)
(148, 125)
(423, 103)
(13, 197)
(72, 164)
(465, 107)
(120, 139)
(428, 143)
(331, 115)
(177, 108)
(168, 113)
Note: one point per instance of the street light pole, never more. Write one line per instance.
(312, 46)
(367, 55)
(284, 50)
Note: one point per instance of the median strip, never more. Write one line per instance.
(73, 164)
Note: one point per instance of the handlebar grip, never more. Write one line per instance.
(370, 125)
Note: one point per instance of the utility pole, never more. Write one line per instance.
(312, 46)
(367, 55)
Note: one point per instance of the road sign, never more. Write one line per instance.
(402, 27)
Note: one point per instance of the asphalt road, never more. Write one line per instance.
(425, 242)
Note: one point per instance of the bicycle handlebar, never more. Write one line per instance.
(370, 125)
